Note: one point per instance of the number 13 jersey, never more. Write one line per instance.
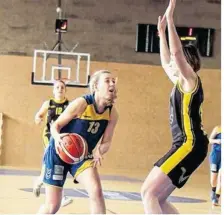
(90, 124)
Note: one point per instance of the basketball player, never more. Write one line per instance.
(190, 143)
(94, 117)
(215, 163)
(51, 110)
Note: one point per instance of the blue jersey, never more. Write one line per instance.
(90, 124)
(215, 146)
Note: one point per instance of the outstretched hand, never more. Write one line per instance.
(170, 9)
(161, 26)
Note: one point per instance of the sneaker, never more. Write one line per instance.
(215, 201)
(66, 201)
(36, 188)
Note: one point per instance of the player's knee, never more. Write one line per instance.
(52, 208)
(96, 193)
(147, 192)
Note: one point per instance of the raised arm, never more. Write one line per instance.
(212, 139)
(41, 113)
(176, 49)
(164, 50)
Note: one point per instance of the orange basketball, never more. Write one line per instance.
(74, 149)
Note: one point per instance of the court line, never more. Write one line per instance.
(81, 192)
(139, 196)
(111, 211)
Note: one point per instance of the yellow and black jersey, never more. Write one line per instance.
(90, 124)
(54, 111)
(190, 142)
(186, 113)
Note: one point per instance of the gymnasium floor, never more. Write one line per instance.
(121, 191)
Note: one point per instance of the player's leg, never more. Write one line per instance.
(66, 200)
(55, 173)
(39, 181)
(215, 200)
(84, 175)
(218, 189)
(158, 185)
(168, 208)
(53, 196)
(171, 171)
(155, 190)
(213, 174)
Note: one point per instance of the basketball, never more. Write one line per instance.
(74, 149)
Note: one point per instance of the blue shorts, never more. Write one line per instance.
(215, 161)
(55, 170)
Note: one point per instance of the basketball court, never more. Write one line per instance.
(121, 190)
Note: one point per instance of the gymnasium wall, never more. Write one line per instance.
(105, 29)
(142, 134)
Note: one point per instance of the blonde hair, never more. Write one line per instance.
(59, 81)
(95, 78)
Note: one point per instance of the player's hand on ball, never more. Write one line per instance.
(58, 141)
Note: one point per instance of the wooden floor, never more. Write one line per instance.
(121, 191)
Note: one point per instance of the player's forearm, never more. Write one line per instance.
(55, 130)
(214, 141)
(174, 41)
(104, 147)
(164, 50)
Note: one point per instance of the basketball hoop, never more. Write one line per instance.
(45, 71)
(50, 65)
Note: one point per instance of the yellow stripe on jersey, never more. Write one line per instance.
(218, 129)
(194, 90)
(59, 101)
(187, 146)
(90, 114)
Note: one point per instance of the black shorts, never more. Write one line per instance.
(182, 160)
